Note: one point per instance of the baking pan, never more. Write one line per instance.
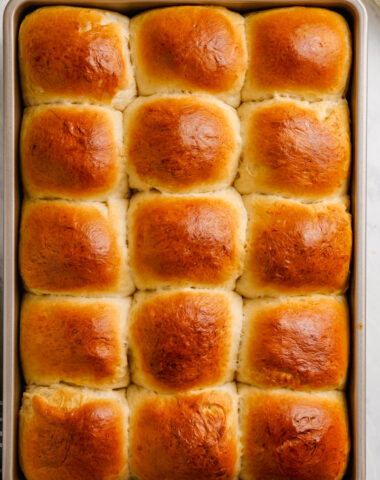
(356, 14)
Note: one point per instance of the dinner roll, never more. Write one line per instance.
(72, 151)
(300, 343)
(295, 248)
(295, 149)
(74, 248)
(184, 339)
(299, 51)
(78, 55)
(189, 48)
(293, 435)
(75, 340)
(192, 240)
(69, 433)
(181, 143)
(184, 437)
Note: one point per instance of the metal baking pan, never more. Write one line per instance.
(355, 13)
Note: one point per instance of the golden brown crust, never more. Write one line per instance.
(294, 248)
(84, 442)
(191, 48)
(291, 150)
(191, 240)
(183, 340)
(298, 343)
(73, 53)
(70, 151)
(182, 143)
(69, 248)
(78, 341)
(288, 436)
(298, 50)
(184, 437)
(164, 255)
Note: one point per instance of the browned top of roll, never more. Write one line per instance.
(70, 151)
(72, 340)
(299, 248)
(62, 443)
(184, 438)
(184, 240)
(198, 46)
(300, 343)
(183, 339)
(176, 143)
(68, 51)
(290, 149)
(67, 247)
(304, 49)
(291, 437)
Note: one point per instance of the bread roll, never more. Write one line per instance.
(69, 433)
(300, 343)
(184, 339)
(185, 436)
(295, 248)
(72, 151)
(295, 149)
(297, 51)
(293, 435)
(192, 240)
(189, 48)
(75, 340)
(181, 143)
(74, 248)
(77, 55)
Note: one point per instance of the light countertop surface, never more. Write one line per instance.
(373, 245)
(373, 242)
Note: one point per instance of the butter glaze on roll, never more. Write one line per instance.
(293, 435)
(185, 436)
(74, 248)
(300, 51)
(295, 248)
(181, 143)
(191, 239)
(184, 339)
(295, 149)
(72, 151)
(189, 48)
(188, 240)
(301, 343)
(76, 340)
(78, 55)
(68, 433)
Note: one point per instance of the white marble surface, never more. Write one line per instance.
(373, 247)
(373, 242)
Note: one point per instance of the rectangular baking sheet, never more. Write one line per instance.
(356, 14)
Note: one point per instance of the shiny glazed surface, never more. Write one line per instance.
(83, 443)
(67, 247)
(69, 341)
(290, 150)
(184, 438)
(69, 150)
(182, 340)
(298, 248)
(192, 47)
(298, 50)
(73, 52)
(300, 344)
(179, 143)
(290, 438)
(184, 240)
